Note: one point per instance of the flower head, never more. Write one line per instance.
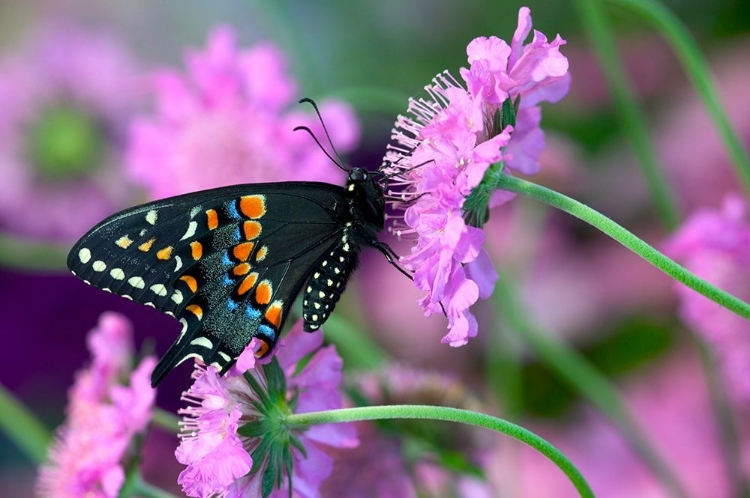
(109, 405)
(235, 441)
(713, 245)
(65, 104)
(440, 164)
(224, 122)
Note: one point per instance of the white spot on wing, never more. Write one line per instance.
(191, 230)
(225, 356)
(177, 296)
(203, 342)
(99, 265)
(84, 255)
(159, 289)
(178, 263)
(151, 217)
(117, 274)
(188, 356)
(183, 330)
(195, 211)
(137, 282)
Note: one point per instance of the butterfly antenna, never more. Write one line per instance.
(309, 131)
(338, 160)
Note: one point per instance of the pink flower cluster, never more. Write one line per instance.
(714, 245)
(89, 75)
(224, 122)
(441, 151)
(103, 416)
(218, 458)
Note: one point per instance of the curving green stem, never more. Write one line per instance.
(447, 414)
(589, 382)
(697, 70)
(627, 239)
(22, 427)
(629, 113)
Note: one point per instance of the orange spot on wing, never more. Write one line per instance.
(241, 269)
(261, 254)
(242, 251)
(273, 314)
(263, 292)
(253, 206)
(212, 219)
(196, 249)
(247, 283)
(196, 310)
(164, 254)
(191, 282)
(146, 246)
(262, 349)
(251, 229)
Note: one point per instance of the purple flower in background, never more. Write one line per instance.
(714, 245)
(443, 148)
(65, 103)
(110, 403)
(235, 442)
(224, 122)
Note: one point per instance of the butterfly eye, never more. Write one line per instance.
(357, 175)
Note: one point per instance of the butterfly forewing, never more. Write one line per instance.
(226, 263)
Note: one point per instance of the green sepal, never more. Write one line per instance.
(275, 378)
(254, 428)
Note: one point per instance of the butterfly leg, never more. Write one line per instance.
(391, 257)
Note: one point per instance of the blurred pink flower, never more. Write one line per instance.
(714, 245)
(218, 457)
(442, 149)
(103, 416)
(670, 402)
(224, 122)
(65, 103)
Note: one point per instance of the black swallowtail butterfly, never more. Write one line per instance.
(228, 263)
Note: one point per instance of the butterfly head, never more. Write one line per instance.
(366, 197)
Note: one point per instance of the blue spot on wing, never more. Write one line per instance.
(232, 304)
(252, 313)
(232, 210)
(266, 332)
(225, 260)
(227, 281)
(237, 234)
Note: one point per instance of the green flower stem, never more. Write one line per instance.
(373, 99)
(354, 344)
(631, 118)
(627, 239)
(728, 437)
(697, 70)
(448, 414)
(584, 378)
(166, 420)
(28, 255)
(22, 427)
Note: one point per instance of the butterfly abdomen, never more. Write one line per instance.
(329, 280)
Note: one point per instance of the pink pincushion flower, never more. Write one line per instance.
(65, 104)
(443, 149)
(224, 122)
(714, 245)
(103, 417)
(219, 457)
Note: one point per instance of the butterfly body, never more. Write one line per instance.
(227, 263)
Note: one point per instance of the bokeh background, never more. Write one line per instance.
(574, 282)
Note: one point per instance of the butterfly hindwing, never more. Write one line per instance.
(227, 263)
